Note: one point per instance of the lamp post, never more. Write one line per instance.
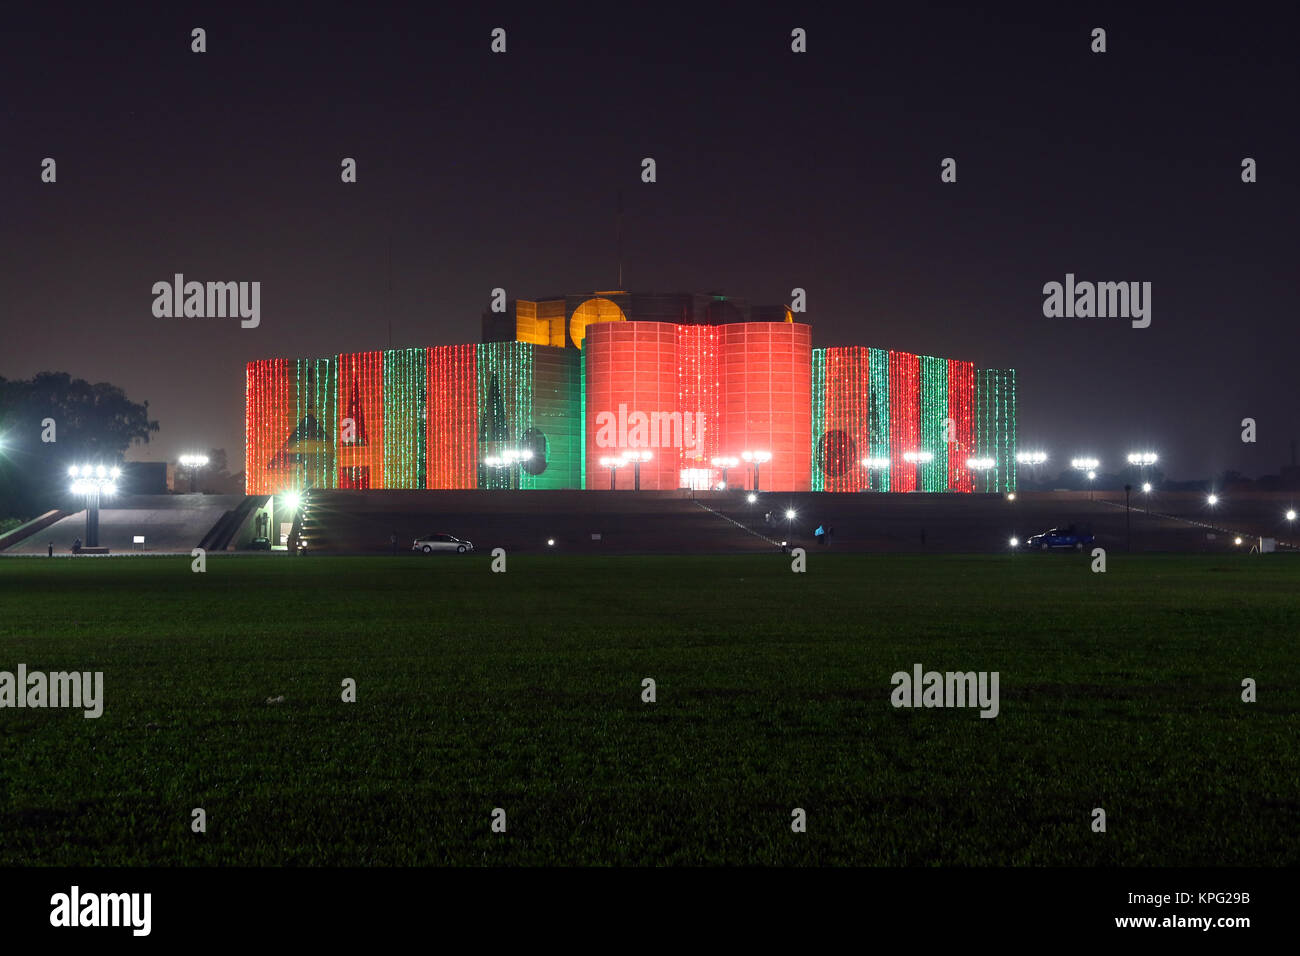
(1128, 527)
(725, 463)
(193, 464)
(874, 464)
(91, 483)
(613, 464)
(508, 458)
(1033, 459)
(1089, 466)
(983, 464)
(756, 458)
(1142, 460)
(636, 457)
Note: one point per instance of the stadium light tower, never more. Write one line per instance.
(756, 458)
(613, 464)
(726, 463)
(193, 464)
(92, 482)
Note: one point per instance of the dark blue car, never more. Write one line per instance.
(1057, 538)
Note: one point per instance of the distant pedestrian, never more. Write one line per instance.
(51, 549)
(923, 537)
(394, 542)
(820, 534)
(76, 545)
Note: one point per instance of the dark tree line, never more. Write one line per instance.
(52, 421)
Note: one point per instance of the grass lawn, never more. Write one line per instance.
(523, 691)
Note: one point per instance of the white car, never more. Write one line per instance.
(441, 542)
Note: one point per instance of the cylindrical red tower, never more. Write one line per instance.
(632, 402)
(767, 401)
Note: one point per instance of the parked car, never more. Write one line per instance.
(430, 543)
(1067, 537)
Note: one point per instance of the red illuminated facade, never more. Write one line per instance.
(688, 394)
(560, 387)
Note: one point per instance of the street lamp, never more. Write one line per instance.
(1033, 459)
(508, 458)
(1142, 460)
(983, 464)
(756, 458)
(725, 462)
(790, 514)
(90, 483)
(613, 464)
(193, 464)
(1290, 515)
(1212, 500)
(636, 457)
(874, 464)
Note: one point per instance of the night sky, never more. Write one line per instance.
(775, 170)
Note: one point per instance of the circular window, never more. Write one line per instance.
(837, 453)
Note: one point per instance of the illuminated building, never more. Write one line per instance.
(559, 384)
